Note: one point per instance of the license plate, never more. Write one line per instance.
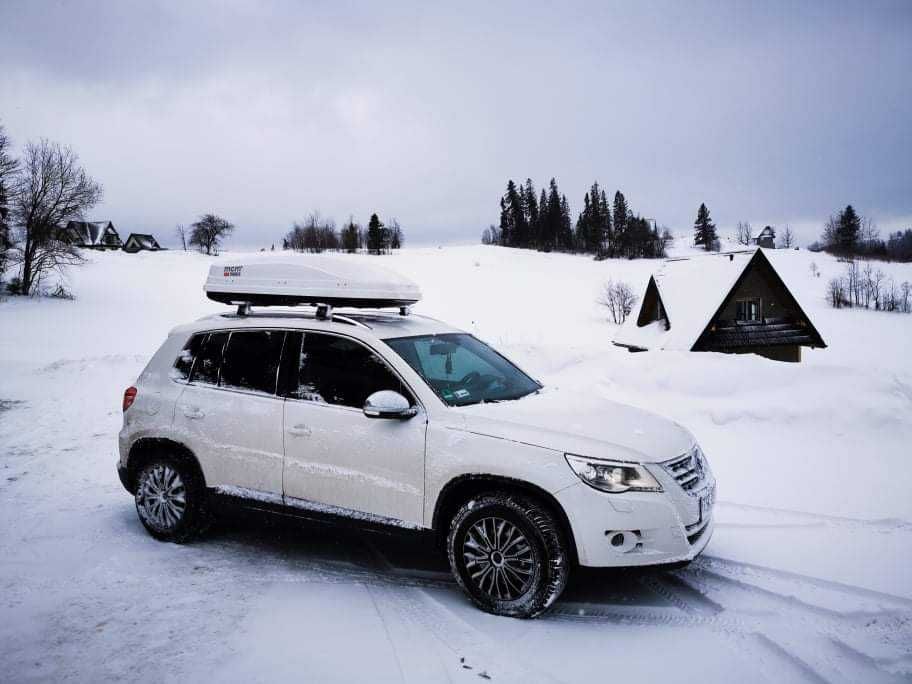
(706, 502)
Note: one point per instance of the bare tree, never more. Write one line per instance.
(869, 235)
(49, 188)
(209, 231)
(836, 292)
(619, 299)
(786, 238)
(743, 233)
(830, 233)
(396, 238)
(815, 271)
(8, 166)
(181, 231)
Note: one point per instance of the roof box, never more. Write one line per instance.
(310, 280)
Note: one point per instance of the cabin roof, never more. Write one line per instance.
(90, 232)
(692, 291)
(143, 239)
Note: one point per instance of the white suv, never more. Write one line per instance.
(403, 420)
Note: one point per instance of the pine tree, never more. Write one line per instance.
(506, 223)
(584, 225)
(704, 229)
(375, 235)
(606, 246)
(551, 223)
(351, 236)
(540, 229)
(513, 227)
(621, 213)
(531, 212)
(566, 225)
(847, 231)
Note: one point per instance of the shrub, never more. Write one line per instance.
(619, 299)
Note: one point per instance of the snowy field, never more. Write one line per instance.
(808, 576)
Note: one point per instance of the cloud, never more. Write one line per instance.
(265, 111)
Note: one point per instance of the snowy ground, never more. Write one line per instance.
(806, 579)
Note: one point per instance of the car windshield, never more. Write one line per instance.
(463, 370)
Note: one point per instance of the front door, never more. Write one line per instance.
(334, 454)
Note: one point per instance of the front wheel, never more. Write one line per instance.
(169, 499)
(508, 554)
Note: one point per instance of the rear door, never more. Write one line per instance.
(229, 414)
(334, 454)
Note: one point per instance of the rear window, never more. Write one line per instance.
(184, 363)
(251, 360)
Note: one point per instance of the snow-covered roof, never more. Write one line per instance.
(144, 240)
(91, 232)
(692, 290)
(311, 280)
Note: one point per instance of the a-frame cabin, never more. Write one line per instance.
(734, 303)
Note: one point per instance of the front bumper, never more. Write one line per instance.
(659, 527)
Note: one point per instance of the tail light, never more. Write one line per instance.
(129, 397)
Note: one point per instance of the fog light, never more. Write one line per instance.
(622, 541)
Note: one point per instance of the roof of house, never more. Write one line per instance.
(90, 232)
(692, 290)
(144, 239)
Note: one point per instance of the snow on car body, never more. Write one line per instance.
(280, 409)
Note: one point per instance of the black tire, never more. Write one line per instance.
(519, 582)
(170, 499)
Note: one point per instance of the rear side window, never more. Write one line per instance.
(184, 363)
(336, 370)
(209, 359)
(251, 360)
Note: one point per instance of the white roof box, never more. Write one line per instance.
(310, 280)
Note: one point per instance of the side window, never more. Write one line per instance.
(251, 360)
(209, 359)
(184, 363)
(336, 370)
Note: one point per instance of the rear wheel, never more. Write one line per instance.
(169, 499)
(508, 554)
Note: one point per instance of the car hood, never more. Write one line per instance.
(564, 421)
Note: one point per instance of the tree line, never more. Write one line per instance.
(847, 234)
(863, 286)
(317, 234)
(543, 221)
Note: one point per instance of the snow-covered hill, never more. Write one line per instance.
(807, 575)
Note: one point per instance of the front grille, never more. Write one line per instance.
(687, 470)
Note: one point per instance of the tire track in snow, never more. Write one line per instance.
(468, 646)
(808, 579)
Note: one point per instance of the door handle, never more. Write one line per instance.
(299, 431)
(193, 413)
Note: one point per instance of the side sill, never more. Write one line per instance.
(267, 502)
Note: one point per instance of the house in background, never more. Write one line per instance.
(91, 235)
(735, 303)
(766, 238)
(140, 241)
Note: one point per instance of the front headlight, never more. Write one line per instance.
(613, 476)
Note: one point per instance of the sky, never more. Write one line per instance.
(262, 112)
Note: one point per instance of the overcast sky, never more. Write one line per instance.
(264, 111)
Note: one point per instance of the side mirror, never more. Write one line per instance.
(388, 404)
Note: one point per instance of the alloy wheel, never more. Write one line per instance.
(161, 497)
(498, 558)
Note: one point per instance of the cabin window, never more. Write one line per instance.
(748, 310)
